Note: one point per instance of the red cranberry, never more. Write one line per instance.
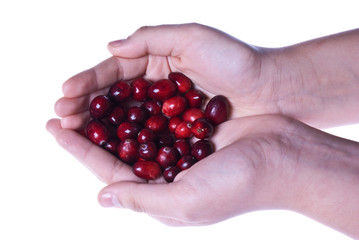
(192, 114)
(165, 140)
(182, 81)
(174, 106)
(128, 150)
(194, 98)
(157, 123)
(202, 128)
(140, 87)
(120, 91)
(128, 130)
(152, 107)
(146, 135)
(100, 107)
(116, 116)
(137, 115)
(148, 150)
(111, 145)
(183, 146)
(173, 123)
(97, 132)
(183, 130)
(162, 90)
(217, 109)
(170, 173)
(167, 156)
(202, 149)
(148, 170)
(185, 162)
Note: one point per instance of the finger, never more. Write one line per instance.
(69, 106)
(103, 75)
(103, 164)
(76, 121)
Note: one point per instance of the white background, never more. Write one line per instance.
(47, 194)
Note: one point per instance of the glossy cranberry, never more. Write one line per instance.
(183, 130)
(111, 145)
(100, 107)
(202, 128)
(148, 150)
(165, 140)
(183, 147)
(173, 123)
(192, 114)
(120, 91)
(202, 149)
(128, 130)
(174, 106)
(152, 107)
(167, 156)
(182, 81)
(185, 162)
(116, 116)
(170, 173)
(140, 87)
(194, 98)
(157, 123)
(217, 109)
(128, 150)
(137, 115)
(97, 132)
(146, 135)
(148, 170)
(162, 90)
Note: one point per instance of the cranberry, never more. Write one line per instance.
(183, 130)
(183, 146)
(174, 106)
(217, 109)
(100, 107)
(111, 145)
(157, 123)
(120, 91)
(128, 130)
(152, 107)
(116, 116)
(170, 173)
(146, 135)
(162, 90)
(202, 128)
(185, 162)
(182, 81)
(128, 150)
(202, 149)
(148, 150)
(192, 114)
(137, 115)
(97, 132)
(140, 87)
(173, 123)
(165, 140)
(148, 170)
(194, 98)
(167, 156)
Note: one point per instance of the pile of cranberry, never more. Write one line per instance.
(158, 128)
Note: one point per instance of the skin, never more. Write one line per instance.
(274, 157)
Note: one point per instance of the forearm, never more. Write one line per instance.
(318, 81)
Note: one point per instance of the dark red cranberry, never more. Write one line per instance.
(162, 90)
(185, 162)
(100, 107)
(202, 128)
(128, 130)
(165, 140)
(167, 156)
(111, 145)
(97, 132)
(182, 81)
(148, 170)
(116, 116)
(183, 146)
(128, 150)
(202, 149)
(148, 150)
(217, 109)
(170, 173)
(192, 114)
(137, 115)
(174, 106)
(152, 107)
(120, 91)
(146, 135)
(173, 123)
(183, 130)
(140, 87)
(194, 98)
(157, 123)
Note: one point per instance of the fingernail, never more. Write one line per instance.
(109, 200)
(117, 43)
